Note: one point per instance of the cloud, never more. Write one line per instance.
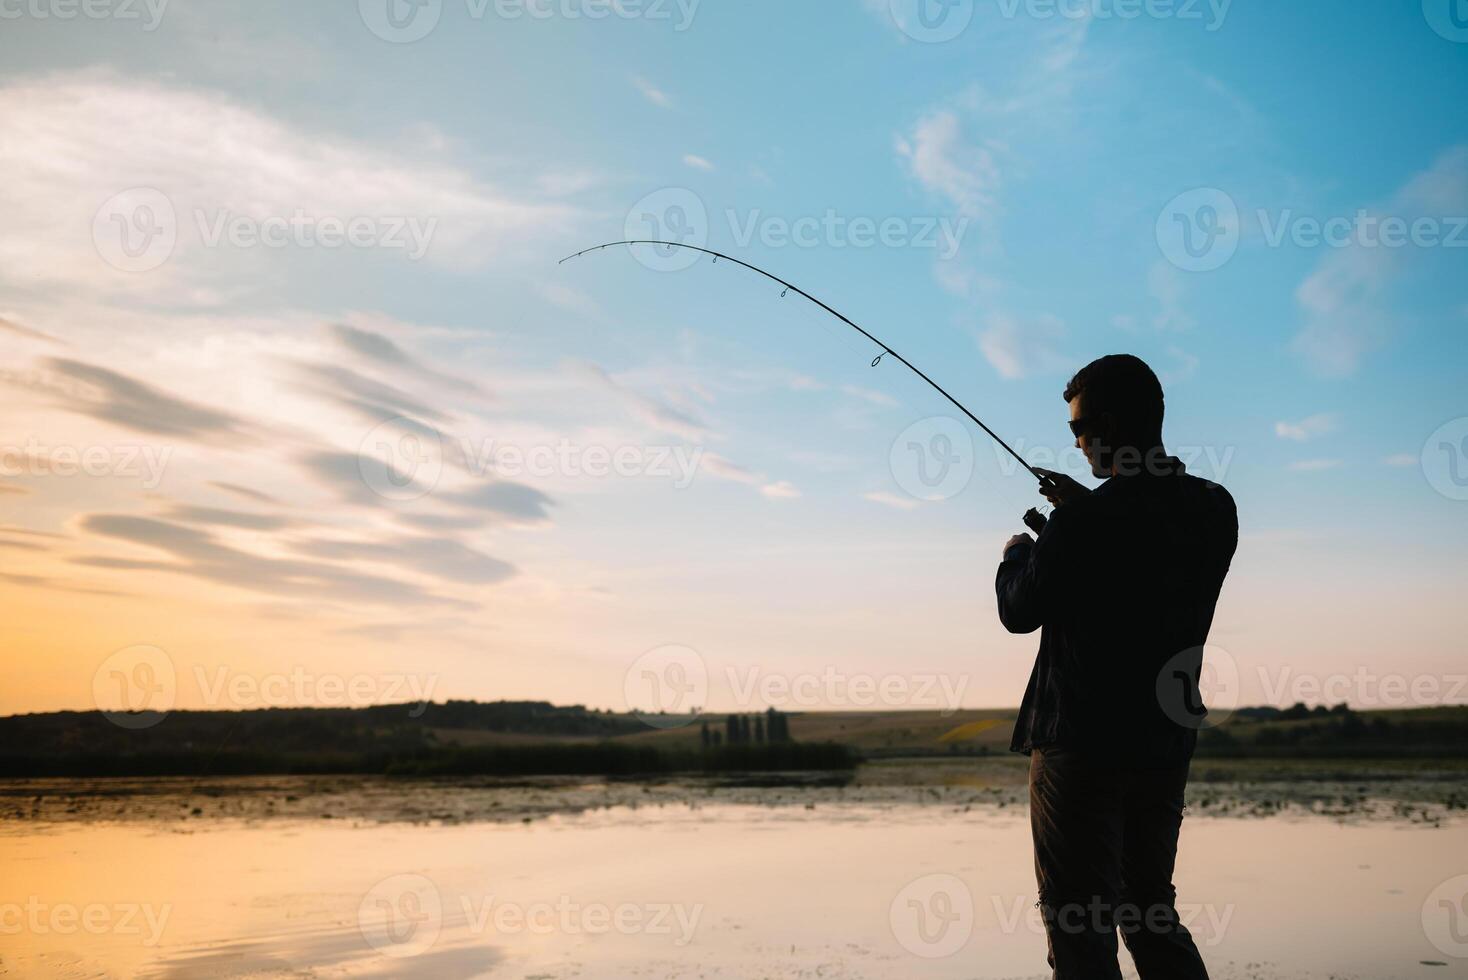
(568, 298)
(198, 554)
(56, 585)
(1401, 459)
(244, 492)
(218, 517)
(1186, 365)
(652, 93)
(1165, 285)
(439, 557)
(384, 351)
(1308, 428)
(368, 397)
(780, 490)
(880, 398)
(1018, 347)
(891, 500)
(1315, 465)
(1344, 298)
(10, 326)
(650, 411)
(502, 499)
(724, 469)
(213, 158)
(943, 163)
(111, 396)
(351, 478)
(697, 162)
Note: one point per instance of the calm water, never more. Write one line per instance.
(677, 891)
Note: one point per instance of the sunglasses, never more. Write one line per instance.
(1078, 426)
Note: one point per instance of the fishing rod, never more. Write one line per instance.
(1033, 518)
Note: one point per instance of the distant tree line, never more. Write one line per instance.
(770, 728)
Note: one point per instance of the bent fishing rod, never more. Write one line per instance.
(1033, 518)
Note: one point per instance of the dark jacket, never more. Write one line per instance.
(1122, 585)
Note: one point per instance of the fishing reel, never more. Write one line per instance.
(1035, 521)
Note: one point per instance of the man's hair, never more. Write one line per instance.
(1126, 387)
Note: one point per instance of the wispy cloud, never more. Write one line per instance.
(1315, 465)
(384, 351)
(11, 327)
(185, 143)
(1017, 347)
(1307, 428)
(198, 554)
(697, 162)
(114, 397)
(243, 492)
(891, 500)
(945, 163)
(780, 490)
(652, 93)
(1343, 299)
(655, 413)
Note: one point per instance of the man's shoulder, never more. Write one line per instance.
(1216, 494)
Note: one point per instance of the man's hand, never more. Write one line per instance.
(1017, 539)
(1060, 489)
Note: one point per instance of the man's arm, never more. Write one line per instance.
(1030, 577)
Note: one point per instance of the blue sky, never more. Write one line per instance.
(1055, 147)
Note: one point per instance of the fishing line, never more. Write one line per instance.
(886, 350)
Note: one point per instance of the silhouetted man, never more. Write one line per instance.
(1122, 584)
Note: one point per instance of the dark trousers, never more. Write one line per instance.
(1105, 843)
